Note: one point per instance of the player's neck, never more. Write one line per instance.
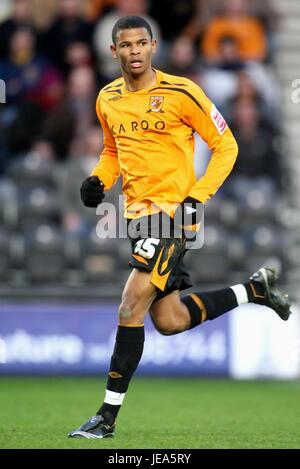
(144, 81)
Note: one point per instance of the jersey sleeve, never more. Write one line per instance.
(107, 168)
(200, 113)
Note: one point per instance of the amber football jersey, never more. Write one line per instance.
(149, 140)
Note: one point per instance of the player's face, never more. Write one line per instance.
(134, 49)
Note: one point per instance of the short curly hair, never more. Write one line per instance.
(130, 22)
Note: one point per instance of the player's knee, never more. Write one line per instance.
(128, 305)
(125, 310)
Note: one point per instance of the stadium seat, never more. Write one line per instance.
(34, 170)
(213, 210)
(236, 251)
(4, 255)
(256, 200)
(229, 214)
(124, 253)
(210, 263)
(72, 250)
(44, 259)
(265, 243)
(8, 204)
(99, 260)
(37, 205)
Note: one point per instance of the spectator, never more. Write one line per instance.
(183, 59)
(78, 219)
(219, 80)
(236, 22)
(28, 75)
(78, 54)
(258, 144)
(75, 115)
(203, 10)
(20, 16)
(178, 14)
(67, 28)
(94, 9)
(232, 76)
(254, 83)
(43, 13)
(32, 86)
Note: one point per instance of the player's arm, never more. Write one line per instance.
(107, 170)
(198, 112)
(201, 114)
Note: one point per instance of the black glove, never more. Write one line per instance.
(92, 191)
(188, 214)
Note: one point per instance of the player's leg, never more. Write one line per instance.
(137, 297)
(172, 315)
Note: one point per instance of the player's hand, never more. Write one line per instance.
(188, 214)
(92, 191)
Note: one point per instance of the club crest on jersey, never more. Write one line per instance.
(156, 104)
(218, 120)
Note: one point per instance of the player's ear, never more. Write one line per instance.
(154, 46)
(114, 51)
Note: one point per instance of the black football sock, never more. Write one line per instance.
(124, 361)
(204, 306)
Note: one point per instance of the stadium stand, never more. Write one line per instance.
(37, 242)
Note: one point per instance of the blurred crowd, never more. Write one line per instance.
(54, 59)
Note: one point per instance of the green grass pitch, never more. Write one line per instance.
(157, 413)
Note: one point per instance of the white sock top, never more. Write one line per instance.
(240, 294)
(114, 398)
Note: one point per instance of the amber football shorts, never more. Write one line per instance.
(158, 248)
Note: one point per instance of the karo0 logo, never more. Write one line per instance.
(218, 120)
(156, 104)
